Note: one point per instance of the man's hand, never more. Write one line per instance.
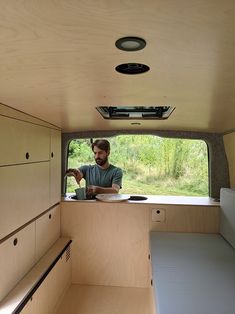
(76, 173)
(92, 190)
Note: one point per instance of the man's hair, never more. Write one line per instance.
(101, 144)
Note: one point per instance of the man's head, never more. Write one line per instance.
(101, 150)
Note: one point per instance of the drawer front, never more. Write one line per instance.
(17, 256)
(47, 231)
(24, 194)
(23, 142)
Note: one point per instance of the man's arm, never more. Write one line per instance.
(93, 190)
(76, 173)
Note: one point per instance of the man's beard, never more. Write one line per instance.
(101, 162)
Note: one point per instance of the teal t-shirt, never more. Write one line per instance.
(94, 175)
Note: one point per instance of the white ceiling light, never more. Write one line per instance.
(130, 43)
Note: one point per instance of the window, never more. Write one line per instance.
(151, 165)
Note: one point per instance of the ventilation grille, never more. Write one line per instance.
(67, 252)
(137, 112)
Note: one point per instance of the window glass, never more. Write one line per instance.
(151, 165)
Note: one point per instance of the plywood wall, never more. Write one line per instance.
(229, 143)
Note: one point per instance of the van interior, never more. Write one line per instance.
(97, 69)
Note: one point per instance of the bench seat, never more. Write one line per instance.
(15, 301)
(193, 273)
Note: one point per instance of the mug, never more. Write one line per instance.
(81, 193)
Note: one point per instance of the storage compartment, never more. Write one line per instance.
(47, 231)
(17, 256)
(23, 142)
(24, 194)
(44, 284)
(52, 288)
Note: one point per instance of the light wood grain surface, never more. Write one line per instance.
(161, 199)
(110, 243)
(106, 300)
(58, 61)
(229, 143)
(12, 300)
(111, 240)
(25, 193)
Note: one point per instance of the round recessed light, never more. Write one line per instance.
(132, 68)
(130, 43)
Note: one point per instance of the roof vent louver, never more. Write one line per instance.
(137, 112)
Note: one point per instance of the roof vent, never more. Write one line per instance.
(137, 112)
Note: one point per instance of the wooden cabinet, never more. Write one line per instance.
(23, 142)
(48, 294)
(29, 308)
(30, 171)
(47, 231)
(24, 194)
(17, 256)
(55, 167)
(52, 288)
(30, 184)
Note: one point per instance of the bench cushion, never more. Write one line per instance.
(227, 218)
(193, 273)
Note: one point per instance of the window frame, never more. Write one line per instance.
(218, 172)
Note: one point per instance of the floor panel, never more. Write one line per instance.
(106, 300)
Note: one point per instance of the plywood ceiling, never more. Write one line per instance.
(58, 59)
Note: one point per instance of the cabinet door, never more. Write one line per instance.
(23, 142)
(17, 256)
(24, 194)
(55, 167)
(47, 231)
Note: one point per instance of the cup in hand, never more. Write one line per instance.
(91, 190)
(81, 193)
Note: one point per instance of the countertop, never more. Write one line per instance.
(160, 199)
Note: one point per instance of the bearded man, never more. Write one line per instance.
(101, 177)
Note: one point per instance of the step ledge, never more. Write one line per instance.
(23, 291)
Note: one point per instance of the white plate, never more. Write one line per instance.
(112, 197)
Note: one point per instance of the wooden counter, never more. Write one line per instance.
(161, 199)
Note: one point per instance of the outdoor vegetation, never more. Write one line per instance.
(151, 164)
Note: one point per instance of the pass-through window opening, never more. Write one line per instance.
(151, 165)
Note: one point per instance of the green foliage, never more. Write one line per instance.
(151, 165)
(80, 149)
